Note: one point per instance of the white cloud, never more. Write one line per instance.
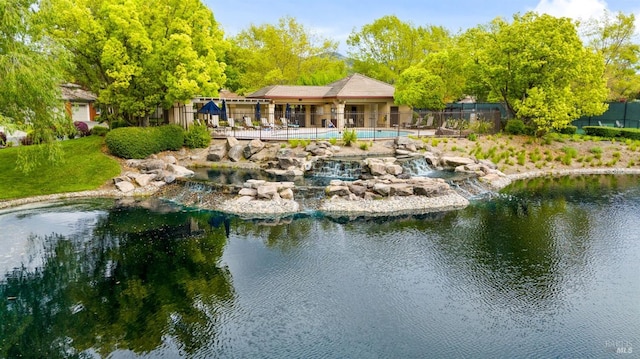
(575, 9)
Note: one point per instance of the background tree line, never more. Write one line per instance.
(143, 56)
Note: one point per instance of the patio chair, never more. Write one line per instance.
(213, 121)
(619, 125)
(232, 123)
(429, 121)
(600, 124)
(248, 123)
(350, 123)
(266, 125)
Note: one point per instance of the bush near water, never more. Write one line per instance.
(141, 142)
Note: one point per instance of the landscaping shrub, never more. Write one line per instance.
(132, 142)
(3, 139)
(631, 133)
(515, 127)
(349, 137)
(569, 130)
(82, 128)
(170, 137)
(601, 131)
(99, 131)
(197, 136)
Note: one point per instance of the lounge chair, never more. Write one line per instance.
(213, 121)
(619, 125)
(248, 123)
(429, 121)
(350, 123)
(414, 125)
(266, 125)
(232, 123)
(600, 124)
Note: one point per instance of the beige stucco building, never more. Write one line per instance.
(354, 101)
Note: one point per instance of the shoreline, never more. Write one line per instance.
(393, 205)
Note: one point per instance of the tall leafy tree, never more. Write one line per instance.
(285, 54)
(138, 55)
(538, 67)
(388, 46)
(30, 76)
(612, 37)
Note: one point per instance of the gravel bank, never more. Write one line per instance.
(394, 205)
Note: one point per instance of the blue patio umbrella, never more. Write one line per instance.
(210, 108)
(223, 110)
(287, 112)
(258, 111)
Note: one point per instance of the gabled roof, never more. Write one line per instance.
(73, 92)
(354, 86)
(360, 86)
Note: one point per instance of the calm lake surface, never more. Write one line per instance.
(548, 268)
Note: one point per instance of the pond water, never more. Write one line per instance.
(548, 268)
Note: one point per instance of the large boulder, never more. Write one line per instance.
(125, 186)
(254, 146)
(216, 153)
(454, 161)
(401, 189)
(235, 153)
(232, 142)
(180, 171)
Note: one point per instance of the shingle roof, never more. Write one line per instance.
(73, 92)
(354, 86)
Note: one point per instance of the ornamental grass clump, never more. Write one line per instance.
(349, 137)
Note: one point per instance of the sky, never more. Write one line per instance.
(336, 19)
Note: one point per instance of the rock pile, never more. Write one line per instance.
(487, 173)
(151, 173)
(387, 186)
(262, 198)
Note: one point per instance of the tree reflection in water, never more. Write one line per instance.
(144, 276)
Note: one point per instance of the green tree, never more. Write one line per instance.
(138, 55)
(388, 46)
(417, 87)
(538, 67)
(285, 54)
(613, 39)
(30, 76)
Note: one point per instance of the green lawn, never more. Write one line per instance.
(84, 167)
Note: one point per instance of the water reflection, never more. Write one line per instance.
(546, 269)
(146, 276)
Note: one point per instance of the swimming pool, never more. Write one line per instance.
(361, 134)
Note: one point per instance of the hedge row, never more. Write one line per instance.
(141, 142)
(611, 132)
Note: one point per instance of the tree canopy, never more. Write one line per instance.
(284, 54)
(30, 76)
(136, 55)
(538, 67)
(612, 38)
(388, 46)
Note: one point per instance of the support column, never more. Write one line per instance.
(188, 114)
(271, 109)
(340, 116)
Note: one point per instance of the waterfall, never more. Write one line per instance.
(337, 168)
(417, 167)
(195, 193)
(471, 188)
